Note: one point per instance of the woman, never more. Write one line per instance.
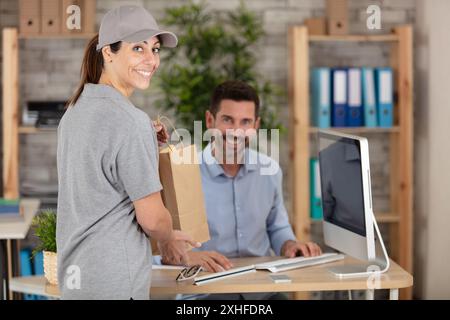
(109, 190)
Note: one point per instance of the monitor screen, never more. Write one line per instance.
(341, 182)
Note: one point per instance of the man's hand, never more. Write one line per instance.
(174, 250)
(161, 132)
(210, 260)
(292, 249)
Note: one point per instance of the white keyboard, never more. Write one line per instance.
(223, 274)
(300, 262)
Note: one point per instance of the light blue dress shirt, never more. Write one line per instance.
(246, 214)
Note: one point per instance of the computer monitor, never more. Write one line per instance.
(348, 219)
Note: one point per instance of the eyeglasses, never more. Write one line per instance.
(189, 273)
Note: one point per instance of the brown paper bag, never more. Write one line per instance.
(182, 192)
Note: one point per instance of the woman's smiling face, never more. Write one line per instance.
(135, 63)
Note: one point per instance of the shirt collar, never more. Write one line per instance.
(102, 91)
(215, 169)
(212, 165)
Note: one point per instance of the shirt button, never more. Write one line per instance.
(240, 235)
(238, 208)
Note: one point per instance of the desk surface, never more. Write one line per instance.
(316, 278)
(19, 229)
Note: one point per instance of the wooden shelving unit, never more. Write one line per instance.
(58, 36)
(381, 218)
(360, 130)
(34, 130)
(11, 110)
(10, 113)
(354, 38)
(399, 220)
(11, 127)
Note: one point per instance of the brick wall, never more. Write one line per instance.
(49, 69)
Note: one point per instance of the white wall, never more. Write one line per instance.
(432, 227)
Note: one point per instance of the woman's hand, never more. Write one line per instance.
(161, 132)
(174, 250)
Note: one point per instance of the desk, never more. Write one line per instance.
(13, 231)
(316, 278)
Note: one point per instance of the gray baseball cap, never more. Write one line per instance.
(131, 24)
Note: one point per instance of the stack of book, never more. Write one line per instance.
(10, 210)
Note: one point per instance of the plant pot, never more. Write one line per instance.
(50, 267)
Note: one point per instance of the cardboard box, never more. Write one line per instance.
(337, 27)
(337, 8)
(50, 16)
(316, 26)
(30, 16)
(337, 17)
(30, 25)
(29, 8)
(88, 17)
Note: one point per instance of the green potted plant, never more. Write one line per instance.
(45, 229)
(214, 47)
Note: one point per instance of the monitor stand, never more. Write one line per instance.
(374, 267)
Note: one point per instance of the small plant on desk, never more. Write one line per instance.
(45, 229)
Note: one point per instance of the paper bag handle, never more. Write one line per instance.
(158, 120)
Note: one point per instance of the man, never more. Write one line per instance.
(245, 210)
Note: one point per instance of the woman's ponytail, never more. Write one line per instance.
(92, 67)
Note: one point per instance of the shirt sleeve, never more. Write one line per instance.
(137, 162)
(278, 226)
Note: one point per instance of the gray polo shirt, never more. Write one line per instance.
(107, 157)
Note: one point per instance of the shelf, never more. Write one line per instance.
(387, 217)
(395, 129)
(398, 219)
(58, 36)
(354, 38)
(33, 130)
(381, 218)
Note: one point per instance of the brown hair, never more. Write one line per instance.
(233, 90)
(92, 66)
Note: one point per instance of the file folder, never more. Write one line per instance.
(26, 269)
(10, 209)
(354, 105)
(385, 95)
(25, 263)
(339, 97)
(320, 100)
(315, 192)
(38, 263)
(368, 96)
